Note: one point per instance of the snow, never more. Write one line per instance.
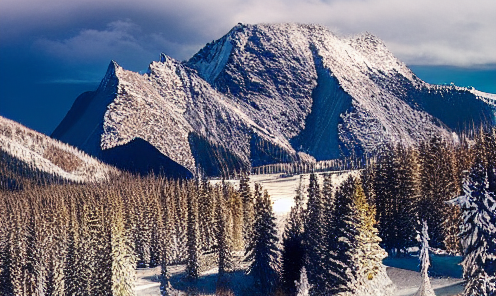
(252, 94)
(30, 147)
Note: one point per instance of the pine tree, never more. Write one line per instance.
(437, 187)
(293, 252)
(193, 263)
(386, 202)
(343, 224)
(407, 185)
(262, 249)
(313, 238)
(223, 236)
(478, 231)
(206, 217)
(425, 287)
(302, 286)
(371, 276)
(248, 210)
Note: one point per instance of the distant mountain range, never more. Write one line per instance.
(264, 94)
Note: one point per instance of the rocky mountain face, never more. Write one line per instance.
(265, 94)
(24, 152)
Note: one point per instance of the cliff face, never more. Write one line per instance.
(268, 93)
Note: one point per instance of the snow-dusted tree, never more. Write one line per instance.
(248, 210)
(235, 208)
(478, 231)
(223, 236)
(313, 237)
(123, 258)
(293, 252)
(341, 268)
(425, 286)
(438, 185)
(262, 251)
(371, 277)
(396, 190)
(206, 208)
(193, 261)
(302, 286)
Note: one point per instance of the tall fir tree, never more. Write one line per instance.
(262, 251)
(386, 199)
(425, 286)
(248, 209)
(478, 231)
(407, 194)
(314, 232)
(223, 235)
(193, 262)
(343, 225)
(293, 252)
(437, 187)
(368, 253)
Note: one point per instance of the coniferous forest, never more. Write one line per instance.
(62, 238)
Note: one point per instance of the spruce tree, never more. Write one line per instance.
(341, 266)
(478, 231)
(314, 233)
(193, 262)
(248, 209)
(437, 186)
(262, 251)
(407, 194)
(302, 286)
(386, 195)
(425, 286)
(223, 236)
(293, 252)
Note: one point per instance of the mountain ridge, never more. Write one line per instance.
(270, 93)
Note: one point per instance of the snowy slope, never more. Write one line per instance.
(265, 94)
(48, 155)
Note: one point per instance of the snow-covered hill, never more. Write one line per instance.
(264, 94)
(39, 153)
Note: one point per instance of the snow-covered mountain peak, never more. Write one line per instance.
(269, 93)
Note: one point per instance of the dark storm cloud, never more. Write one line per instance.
(455, 32)
(52, 50)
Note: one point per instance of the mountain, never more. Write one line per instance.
(263, 94)
(25, 152)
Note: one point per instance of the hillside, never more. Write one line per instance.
(24, 152)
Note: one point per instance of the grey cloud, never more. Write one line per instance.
(452, 32)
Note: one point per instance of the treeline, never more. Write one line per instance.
(88, 239)
(409, 185)
(331, 247)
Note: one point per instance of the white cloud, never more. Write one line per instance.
(451, 32)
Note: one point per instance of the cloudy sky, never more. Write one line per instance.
(52, 50)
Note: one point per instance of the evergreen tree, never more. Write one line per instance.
(437, 186)
(224, 241)
(369, 254)
(193, 262)
(386, 195)
(206, 217)
(425, 287)
(341, 267)
(478, 231)
(293, 252)
(248, 209)
(328, 238)
(262, 249)
(302, 286)
(407, 194)
(314, 233)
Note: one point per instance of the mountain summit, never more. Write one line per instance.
(263, 94)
